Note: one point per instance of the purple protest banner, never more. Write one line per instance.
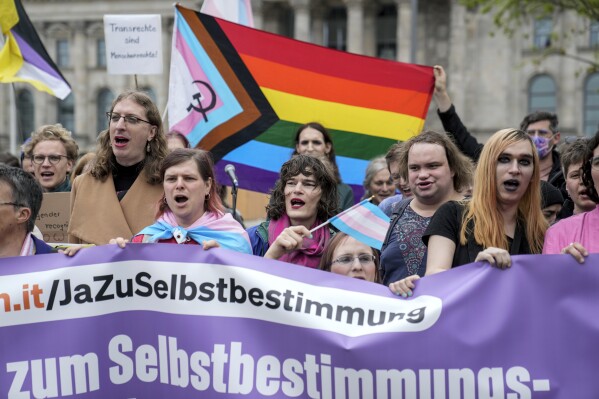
(173, 321)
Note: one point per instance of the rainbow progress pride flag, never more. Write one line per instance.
(242, 93)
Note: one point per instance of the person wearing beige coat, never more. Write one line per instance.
(118, 196)
(97, 215)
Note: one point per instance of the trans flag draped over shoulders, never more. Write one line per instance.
(241, 93)
(225, 230)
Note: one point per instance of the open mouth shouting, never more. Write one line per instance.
(181, 199)
(120, 141)
(296, 203)
(47, 175)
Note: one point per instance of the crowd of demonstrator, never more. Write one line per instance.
(451, 200)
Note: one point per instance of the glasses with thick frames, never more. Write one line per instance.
(54, 159)
(113, 117)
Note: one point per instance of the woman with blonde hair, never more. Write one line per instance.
(502, 218)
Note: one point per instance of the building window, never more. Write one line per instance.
(103, 103)
(591, 105)
(386, 32)
(542, 33)
(101, 53)
(62, 53)
(542, 94)
(66, 113)
(286, 25)
(594, 34)
(26, 113)
(335, 29)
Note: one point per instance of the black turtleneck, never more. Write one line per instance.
(124, 176)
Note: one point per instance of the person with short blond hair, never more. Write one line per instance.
(53, 153)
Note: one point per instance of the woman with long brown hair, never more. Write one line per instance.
(502, 218)
(116, 197)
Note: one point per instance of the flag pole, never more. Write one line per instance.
(165, 112)
(339, 214)
(13, 120)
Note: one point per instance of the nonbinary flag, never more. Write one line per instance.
(241, 93)
(23, 57)
(365, 222)
(238, 11)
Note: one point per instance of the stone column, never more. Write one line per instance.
(355, 26)
(301, 23)
(404, 30)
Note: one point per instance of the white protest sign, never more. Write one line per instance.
(133, 44)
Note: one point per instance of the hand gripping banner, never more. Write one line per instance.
(169, 321)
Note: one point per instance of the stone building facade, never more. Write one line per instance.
(494, 80)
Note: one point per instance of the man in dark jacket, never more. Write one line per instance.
(20, 202)
(540, 125)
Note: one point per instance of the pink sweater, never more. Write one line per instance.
(582, 228)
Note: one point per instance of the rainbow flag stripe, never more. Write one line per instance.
(271, 85)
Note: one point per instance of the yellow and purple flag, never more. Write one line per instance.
(242, 93)
(23, 57)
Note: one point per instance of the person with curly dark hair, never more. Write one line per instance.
(116, 197)
(303, 198)
(577, 235)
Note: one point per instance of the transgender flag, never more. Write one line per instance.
(365, 222)
(238, 11)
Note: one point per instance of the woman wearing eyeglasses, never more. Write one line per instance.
(352, 258)
(52, 151)
(303, 198)
(117, 197)
(577, 235)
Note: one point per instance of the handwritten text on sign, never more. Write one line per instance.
(133, 44)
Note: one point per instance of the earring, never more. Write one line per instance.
(148, 147)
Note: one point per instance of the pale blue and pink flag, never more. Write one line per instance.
(365, 222)
(238, 11)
